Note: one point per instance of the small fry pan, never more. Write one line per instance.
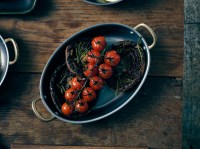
(107, 103)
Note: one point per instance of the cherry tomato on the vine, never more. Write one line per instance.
(96, 83)
(112, 58)
(88, 94)
(71, 94)
(81, 106)
(90, 68)
(93, 56)
(67, 109)
(105, 71)
(98, 43)
(77, 83)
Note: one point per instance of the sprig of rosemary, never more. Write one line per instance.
(81, 50)
(139, 48)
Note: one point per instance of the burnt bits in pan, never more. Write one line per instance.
(74, 56)
(131, 67)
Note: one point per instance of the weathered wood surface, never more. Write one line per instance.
(152, 119)
(191, 90)
(53, 21)
(191, 11)
(18, 146)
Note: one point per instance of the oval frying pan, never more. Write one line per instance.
(107, 103)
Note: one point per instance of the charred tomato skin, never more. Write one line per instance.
(88, 94)
(90, 68)
(98, 43)
(96, 83)
(67, 109)
(105, 71)
(81, 106)
(77, 83)
(112, 58)
(70, 94)
(93, 56)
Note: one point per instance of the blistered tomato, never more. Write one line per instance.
(88, 94)
(96, 83)
(90, 70)
(105, 71)
(98, 43)
(112, 58)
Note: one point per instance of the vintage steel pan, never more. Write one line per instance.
(107, 103)
(4, 57)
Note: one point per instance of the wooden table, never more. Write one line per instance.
(152, 119)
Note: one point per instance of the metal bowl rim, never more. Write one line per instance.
(102, 4)
(5, 56)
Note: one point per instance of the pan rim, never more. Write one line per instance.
(102, 4)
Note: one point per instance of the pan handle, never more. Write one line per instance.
(150, 31)
(38, 114)
(15, 49)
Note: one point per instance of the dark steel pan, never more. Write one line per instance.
(4, 57)
(107, 103)
(16, 6)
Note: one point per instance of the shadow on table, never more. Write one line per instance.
(145, 103)
(2, 144)
(14, 85)
(42, 8)
(11, 91)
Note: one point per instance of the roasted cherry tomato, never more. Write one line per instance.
(67, 109)
(93, 56)
(98, 43)
(71, 94)
(81, 106)
(90, 68)
(88, 94)
(112, 58)
(105, 71)
(77, 83)
(96, 83)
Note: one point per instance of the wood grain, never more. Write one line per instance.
(152, 119)
(191, 90)
(191, 11)
(18, 146)
(191, 102)
(40, 32)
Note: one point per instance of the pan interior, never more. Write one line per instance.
(107, 103)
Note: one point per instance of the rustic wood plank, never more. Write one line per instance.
(40, 32)
(191, 90)
(191, 11)
(152, 119)
(18, 146)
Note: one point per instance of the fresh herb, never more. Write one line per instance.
(82, 49)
